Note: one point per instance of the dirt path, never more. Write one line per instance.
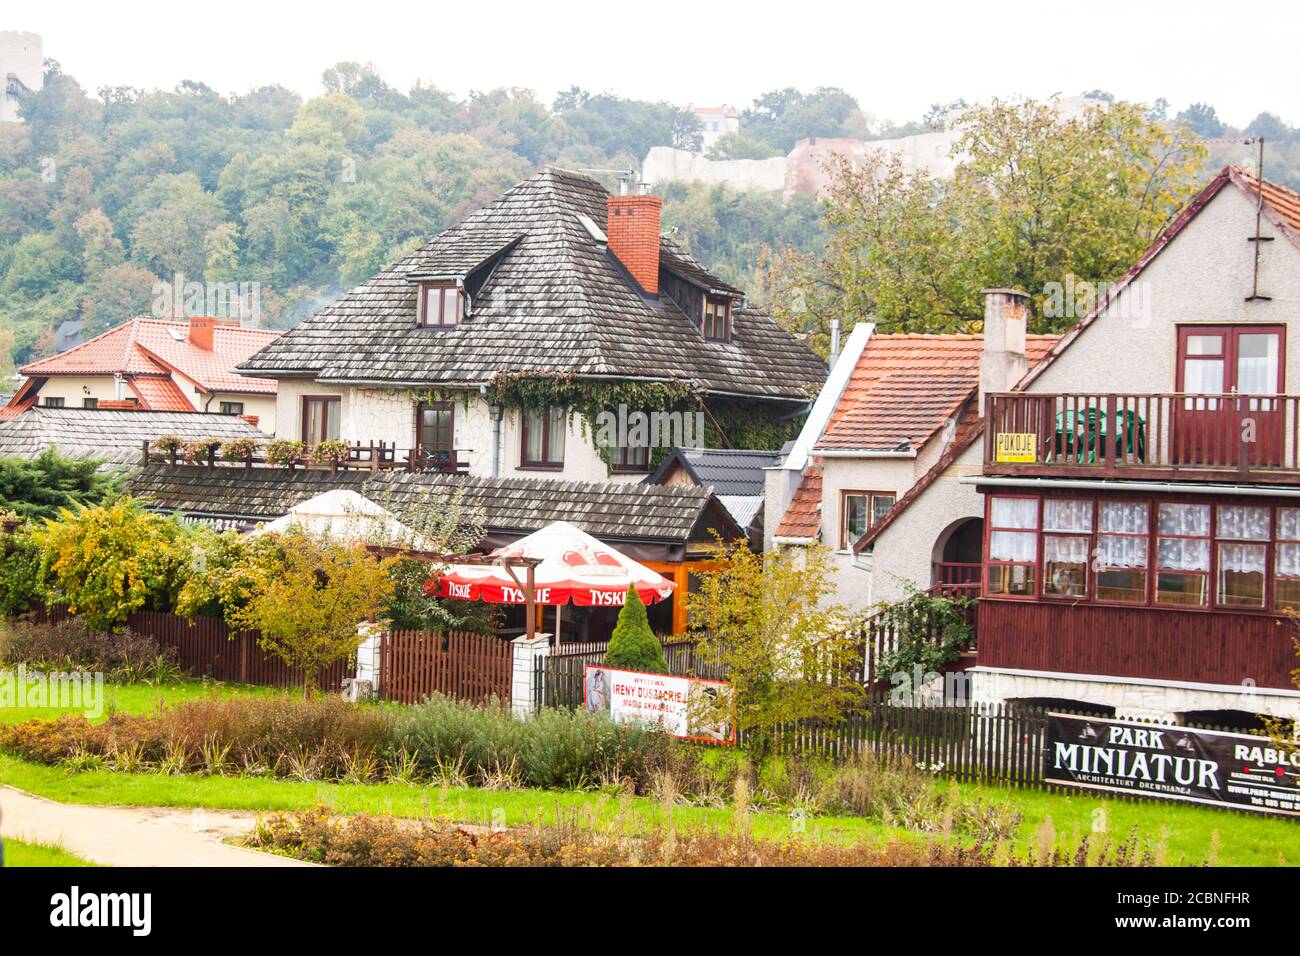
(133, 836)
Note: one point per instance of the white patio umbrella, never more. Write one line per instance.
(346, 516)
(574, 567)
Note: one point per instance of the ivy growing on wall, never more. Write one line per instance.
(744, 425)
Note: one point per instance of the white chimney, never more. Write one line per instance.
(1003, 362)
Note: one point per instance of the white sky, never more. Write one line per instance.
(896, 58)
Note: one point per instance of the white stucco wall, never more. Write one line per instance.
(73, 389)
(1203, 276)
(388, 415)
(903, 552)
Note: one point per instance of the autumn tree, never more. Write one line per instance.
(307, 608)
(1036, 198)
(768, 621)
(106, 561)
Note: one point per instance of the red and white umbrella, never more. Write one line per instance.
(574, 567)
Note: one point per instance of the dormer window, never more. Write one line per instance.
(440, 304)
(717, 319)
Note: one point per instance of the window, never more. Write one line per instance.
(320, 418)
(1241, 536)
(1013, 546)
(631, 458)
(440, 304)
(1183, 554)
(232, 408)
(543, 437)
(1122, 530)
(1065, 554)
(1286, 561)
(53, 402)
(90, 403)
(717, 319)
(435, 431)
(859, 511)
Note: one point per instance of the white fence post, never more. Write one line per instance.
(368, 654)
(526, 654)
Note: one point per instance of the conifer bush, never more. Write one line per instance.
(633, 646)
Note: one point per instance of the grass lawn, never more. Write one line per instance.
(1189, 834)
(40, 854)
(143, 698)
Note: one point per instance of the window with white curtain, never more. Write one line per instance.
(1065, 556)
(1013, 546)
(1183, 554)
(1242, 563)
(1286, 561)
(1123, 527)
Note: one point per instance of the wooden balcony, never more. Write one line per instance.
(1205, 647)
(1154, 436)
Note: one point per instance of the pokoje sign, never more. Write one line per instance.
(1242, 771)
(675, 704)
(1015, 446)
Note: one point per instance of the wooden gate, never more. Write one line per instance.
(414, 665)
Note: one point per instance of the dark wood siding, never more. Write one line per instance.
(1208, 647)
(689, 298)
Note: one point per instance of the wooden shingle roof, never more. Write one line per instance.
(112, 435)
(608, 510)
(550, 299)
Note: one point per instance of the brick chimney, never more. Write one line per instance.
(1003, 362)
(201, 327)
(633, 232)
(251, 419)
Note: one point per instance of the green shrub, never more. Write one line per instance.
(633, 646)
(22, 580)
(556, 748)
(123, 656)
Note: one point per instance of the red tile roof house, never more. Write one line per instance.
(1130, 519)
(155, 365)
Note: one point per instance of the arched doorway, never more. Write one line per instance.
(958, 555)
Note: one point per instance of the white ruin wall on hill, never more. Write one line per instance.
(803, 170)
(22, 69)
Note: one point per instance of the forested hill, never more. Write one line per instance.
(105, 194)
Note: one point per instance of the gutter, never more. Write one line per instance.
(1160, 487)
(861, 453)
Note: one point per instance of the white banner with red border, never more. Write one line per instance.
(682, 706)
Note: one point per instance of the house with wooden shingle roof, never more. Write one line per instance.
(494, 349)
(158, 365)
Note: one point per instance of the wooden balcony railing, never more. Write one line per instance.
(360, 456)
(956, 579)
(1229, 437)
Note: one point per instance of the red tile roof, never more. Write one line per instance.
(905, 387)
(803, 518)
(157, 346)
(159, 393)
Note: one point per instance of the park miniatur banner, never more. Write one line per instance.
(1241, 771)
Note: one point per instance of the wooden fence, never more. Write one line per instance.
(206, 647)
(417, 664)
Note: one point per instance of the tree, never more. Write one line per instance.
(1036, 198)
(633, 646)
(738, 146)
(106, 561)
(787, 650)
(307, 611)
(43, 486)
(1203, 120)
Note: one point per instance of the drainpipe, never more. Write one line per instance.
(497, 412)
